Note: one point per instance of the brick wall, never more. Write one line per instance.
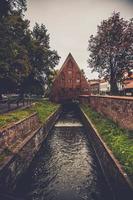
(119, 109)
(116, 178)
(16, 132)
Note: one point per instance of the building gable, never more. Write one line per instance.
(69, 82)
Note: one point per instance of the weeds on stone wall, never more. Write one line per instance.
(42, 107)
(120, 141)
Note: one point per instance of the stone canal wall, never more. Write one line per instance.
(119, 109)
(116, 178)
(17, 131)
(20, 157)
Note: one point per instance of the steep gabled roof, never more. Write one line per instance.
(69, 57)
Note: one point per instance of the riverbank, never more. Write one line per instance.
(120, 141)
(16, 126)
(20, 141)
(66, 166)
(43, 108)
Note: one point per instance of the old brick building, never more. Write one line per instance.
(69, 82)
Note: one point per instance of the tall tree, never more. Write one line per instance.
(25, 56)
(111, 50)
(42, 58)
(14, 61)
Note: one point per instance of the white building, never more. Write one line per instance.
(104, 87)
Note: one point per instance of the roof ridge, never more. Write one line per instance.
(70, 56)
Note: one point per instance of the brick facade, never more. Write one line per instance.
(70, 82)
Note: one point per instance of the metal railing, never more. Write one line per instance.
(7, 105)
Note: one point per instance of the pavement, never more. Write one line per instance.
(4, 107)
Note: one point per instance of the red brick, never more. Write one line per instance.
(69, 82)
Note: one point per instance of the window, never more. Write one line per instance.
(69, 80)
(69, 71)
(78, 77)
(85, 90)
(78, 80)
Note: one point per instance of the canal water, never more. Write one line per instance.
(66, 167)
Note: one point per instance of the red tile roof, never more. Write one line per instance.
(128, 85)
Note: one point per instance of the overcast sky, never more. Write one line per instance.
(71, 22)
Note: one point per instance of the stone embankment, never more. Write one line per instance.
(116, 178)
(117, 108)
(19, 144)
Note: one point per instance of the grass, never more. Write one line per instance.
(120, 141)
(8, 118)
(43, 108)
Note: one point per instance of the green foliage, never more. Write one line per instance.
(25, 55)
(43, 108)
(13, 117)
(14, 61)
(7, 7)
(117, 139)
(42, 58)
(111, 50)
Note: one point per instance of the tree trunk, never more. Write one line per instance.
(21, 92)
(21, 95)
(113, 87)
(113, 80)
(0, 96)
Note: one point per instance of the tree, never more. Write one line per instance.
(111, 50)
(32, 86)
(42, 58)
(25, 55)
(7, 7)
(53, 75)
(14, 61)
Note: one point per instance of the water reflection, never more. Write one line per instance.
(66, 168)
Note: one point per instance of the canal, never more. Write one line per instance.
(66, 167)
